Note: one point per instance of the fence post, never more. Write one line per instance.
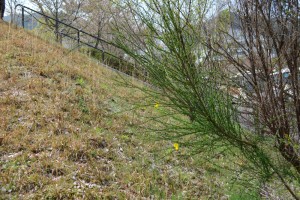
(23, 17)
(78, 37)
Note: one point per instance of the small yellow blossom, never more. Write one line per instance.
(176, 146)
(156, 105)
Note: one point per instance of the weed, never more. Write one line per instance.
(80, 81)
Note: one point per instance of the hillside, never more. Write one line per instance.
(65, 132)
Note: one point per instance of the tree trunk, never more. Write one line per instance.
(2, 8)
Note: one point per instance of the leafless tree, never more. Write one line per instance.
(12, 8)
(66, 11)
(99, 16)
(262, 48)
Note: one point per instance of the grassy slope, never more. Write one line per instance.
(62, 140)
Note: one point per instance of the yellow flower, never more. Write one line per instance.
(156, 105)
(176, 146)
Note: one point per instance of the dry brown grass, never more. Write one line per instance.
(60, 138)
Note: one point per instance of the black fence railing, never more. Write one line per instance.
(80, 33)
(80, 37)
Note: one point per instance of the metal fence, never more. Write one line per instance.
(78, 35)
